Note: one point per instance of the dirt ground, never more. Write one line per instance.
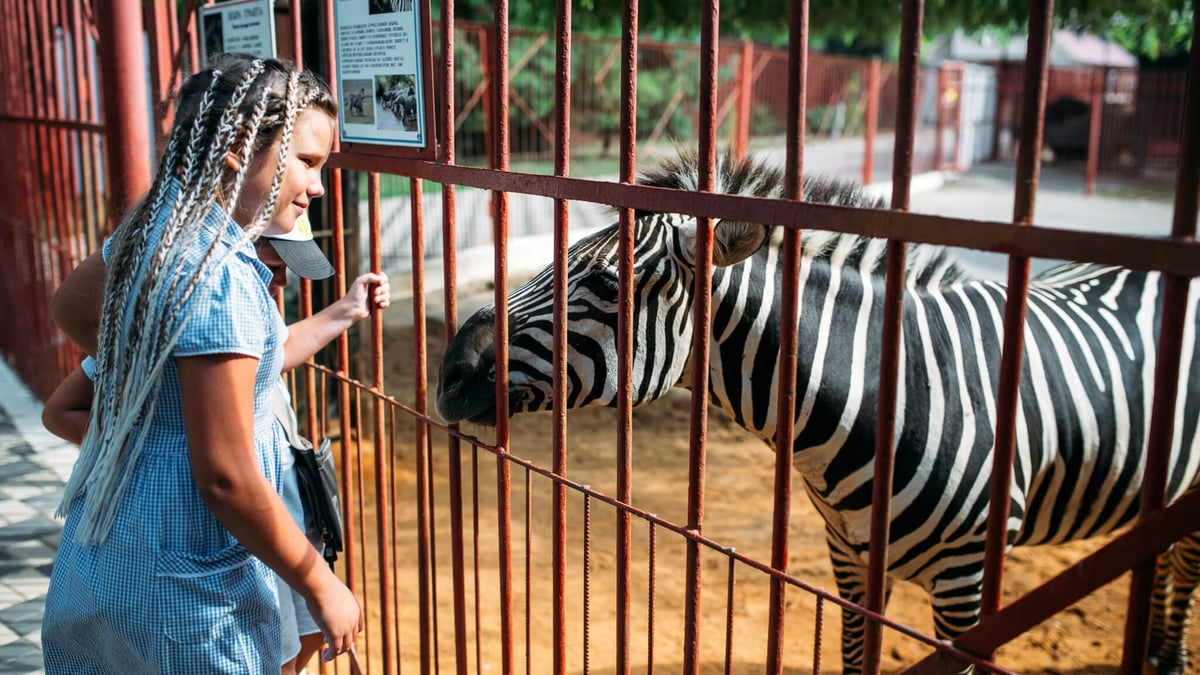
(1086, 639)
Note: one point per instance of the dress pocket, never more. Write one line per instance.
(211, 599)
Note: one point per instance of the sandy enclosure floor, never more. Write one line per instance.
(1086, 639)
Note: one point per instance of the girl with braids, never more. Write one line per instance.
(173, 517)
(68, 408)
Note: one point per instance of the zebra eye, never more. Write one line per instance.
(603, 281)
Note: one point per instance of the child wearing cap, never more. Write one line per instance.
(67, 409)
(188, 346)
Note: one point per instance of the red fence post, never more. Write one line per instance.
(745, 94)
(1093, 146)
(126, 118)
(871, 120)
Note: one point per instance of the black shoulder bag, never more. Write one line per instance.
(319, 494)
(318, 482)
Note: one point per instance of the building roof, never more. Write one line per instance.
(1067, 49)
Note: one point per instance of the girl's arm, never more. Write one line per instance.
(67, 410)
(218, 413)
(307, 336)
(75, 307)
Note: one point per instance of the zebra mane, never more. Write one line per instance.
(755, 177)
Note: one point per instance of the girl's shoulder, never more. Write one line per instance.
(228, 313)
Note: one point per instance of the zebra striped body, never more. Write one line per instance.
(1084, 397)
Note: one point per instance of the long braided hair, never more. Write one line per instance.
(240, 106)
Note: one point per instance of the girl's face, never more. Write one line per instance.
(312, 139)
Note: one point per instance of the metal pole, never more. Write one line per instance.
(126, 115)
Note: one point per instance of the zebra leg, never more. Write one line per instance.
(1184, 572)
(1163, 587)
(955, 601)
(851, 577)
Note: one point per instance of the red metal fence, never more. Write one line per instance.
(492, 553)
(848, 98)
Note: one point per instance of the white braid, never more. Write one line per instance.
(111, 369)
(285, 141)
(129, 378)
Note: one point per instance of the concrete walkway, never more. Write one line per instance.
(34, 465)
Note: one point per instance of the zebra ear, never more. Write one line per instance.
(733, 242)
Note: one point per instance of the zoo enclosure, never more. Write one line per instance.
(84, 172)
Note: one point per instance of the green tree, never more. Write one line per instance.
(1148, 28)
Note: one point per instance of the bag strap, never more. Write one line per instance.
(281, 402)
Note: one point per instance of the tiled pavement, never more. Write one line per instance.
(33, 466)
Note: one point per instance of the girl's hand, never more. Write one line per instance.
(366, 293)
(339, 617)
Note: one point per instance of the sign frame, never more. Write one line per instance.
(395, 87)
(218, 15)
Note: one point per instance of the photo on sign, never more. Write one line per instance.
(214, 34)
(390, 6)
(358, 101)
(397, 95)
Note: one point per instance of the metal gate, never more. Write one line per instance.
(474, 553)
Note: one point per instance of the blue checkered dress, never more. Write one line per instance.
(171, 590)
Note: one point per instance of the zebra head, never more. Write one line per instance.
(663, 273)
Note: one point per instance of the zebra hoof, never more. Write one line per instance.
(1166, 664)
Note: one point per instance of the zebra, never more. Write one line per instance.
(1084, 394)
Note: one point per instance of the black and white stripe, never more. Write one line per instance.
(1090, 340)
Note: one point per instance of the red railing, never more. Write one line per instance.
(526, 561)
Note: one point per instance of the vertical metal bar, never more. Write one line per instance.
(500, 236)
(43, 203)
(191, 29)
(62, 64)
(54, 163)
(304, 300)
(939, 142)
(562, 167)
(297, 35)
(162, 41)
(745, 100)
(367, 598)
(651, 587)
(871, 119)
(95, 154)
(1094, 123)
(818, 629)
(125, 116)
(87, 170)
(425, 566)
(528, 572)
(624, 459)
(71, 111)
(382, 469)
(785, 423)
(351, 493)
(450, 310)
(701, 319)
(587, 579)
(729, 598)
(957, 121)
(892, 334)
(1041, 14)
(390, 502)
(909, 79)
(475, 554)
(1167, 363)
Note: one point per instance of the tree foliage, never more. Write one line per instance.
(1148, 28)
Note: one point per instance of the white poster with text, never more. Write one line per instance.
(380, 74)
(245, 26)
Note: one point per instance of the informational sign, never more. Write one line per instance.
(383, 70)
(246, 26)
